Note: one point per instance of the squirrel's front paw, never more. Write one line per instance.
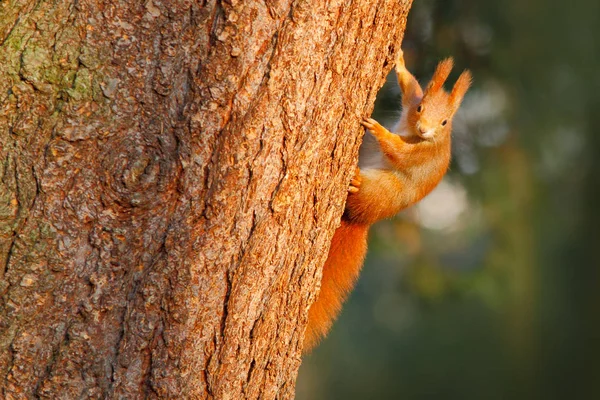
(355, 182)
(400, 65)
(375, 127)
(369, 123)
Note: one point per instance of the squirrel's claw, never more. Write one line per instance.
(375, 127)
(400, 57)
(355, 182)
(400, 65)
(369, 123)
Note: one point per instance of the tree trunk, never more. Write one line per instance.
(172, 173)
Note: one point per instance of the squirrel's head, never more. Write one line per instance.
(432, 114)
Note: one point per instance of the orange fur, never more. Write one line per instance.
(440, 75)
(414, 161)
(348, 248)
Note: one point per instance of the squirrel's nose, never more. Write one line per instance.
(422, 130)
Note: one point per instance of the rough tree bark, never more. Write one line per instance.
(171, 174)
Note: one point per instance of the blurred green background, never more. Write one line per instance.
(490, 288)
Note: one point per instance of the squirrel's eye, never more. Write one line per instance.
(444, 122)
(420, 108)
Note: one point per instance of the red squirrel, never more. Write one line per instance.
(404, 167)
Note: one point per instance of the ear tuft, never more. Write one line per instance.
(440, 75)
(460, 88)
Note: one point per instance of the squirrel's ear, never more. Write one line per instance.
(440, 75)
(460, 88)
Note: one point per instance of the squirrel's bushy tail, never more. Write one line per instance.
(345, 259)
